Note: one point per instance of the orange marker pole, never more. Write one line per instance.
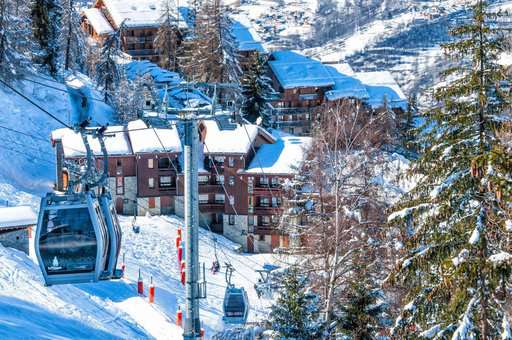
(179, 233)
(151, 291)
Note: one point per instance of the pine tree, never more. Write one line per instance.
(15, 38)
(129, 96)
(363, 311)
(458, 263)
(167, 37)
(72, 42)
(46, 25)
(256, 89)
(295, 314)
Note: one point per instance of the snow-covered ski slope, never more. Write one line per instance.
(108, 310)
(26, 155)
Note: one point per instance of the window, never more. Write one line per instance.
(165, 181)
(250, 184)
(265, 220)
(219, 159)
(264, 202)
(231, 180)
(219, 198)
(250, 220)
(203, 198)
(231, 200)
(261, 237)
(164, 163)
(263, 180)
(150, 163)
(202, 179)
(231, 162)
(276, 201)
(275, 181)
(231, 219)
(275, 219)
(219, 179)
(151, 203)
(119, 185)
(151, 182)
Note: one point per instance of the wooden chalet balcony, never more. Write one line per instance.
(211, 206)
(291, 110)
(264, 209)
(143, 52)
(261, 188)
(139, 40)
(265, 229)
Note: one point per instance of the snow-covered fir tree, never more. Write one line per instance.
(46, 24)
(296, 315)
(72, 44)
(15, 37)
(256, 89)
(107, 69)
(363, 309)
(167, 38)
(458, 262)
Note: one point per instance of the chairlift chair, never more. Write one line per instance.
(72, 238)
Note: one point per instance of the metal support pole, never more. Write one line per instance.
(192, 324)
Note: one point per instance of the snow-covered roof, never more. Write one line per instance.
(140, 13)
(295, 70)
(381, 86)
(246, 37)
(116, 142)
(139, 68)
(17, 216)
(97, 20)
(236, 141)
(146, 139)
(283, 157)
(345, 84)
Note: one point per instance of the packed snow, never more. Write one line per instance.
(97, 20)
(112, 309)
(144, 139)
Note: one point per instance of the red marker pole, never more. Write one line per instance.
(179, 233)
(151, 291)
(140, 285)
(183, 272)
(180, 254)
(202, 333)
(178, 241)
(179, 317)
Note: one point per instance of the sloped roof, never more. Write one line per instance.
(282, 157)
(17, 216)
(116, 142)
(247, 39)
(98, 21)
(381, 86)
(146, 139)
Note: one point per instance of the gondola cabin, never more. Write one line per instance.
(236, 306)
(72, 239)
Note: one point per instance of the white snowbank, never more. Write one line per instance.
(98, 21)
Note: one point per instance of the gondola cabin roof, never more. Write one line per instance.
(20, 216)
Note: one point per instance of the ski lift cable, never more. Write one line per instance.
(63, 90)
(25, 154)
(35, 104)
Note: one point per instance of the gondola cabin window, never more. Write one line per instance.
(68, 242)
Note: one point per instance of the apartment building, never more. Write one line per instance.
(140, 19)
(243, 167)
(306, 86)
